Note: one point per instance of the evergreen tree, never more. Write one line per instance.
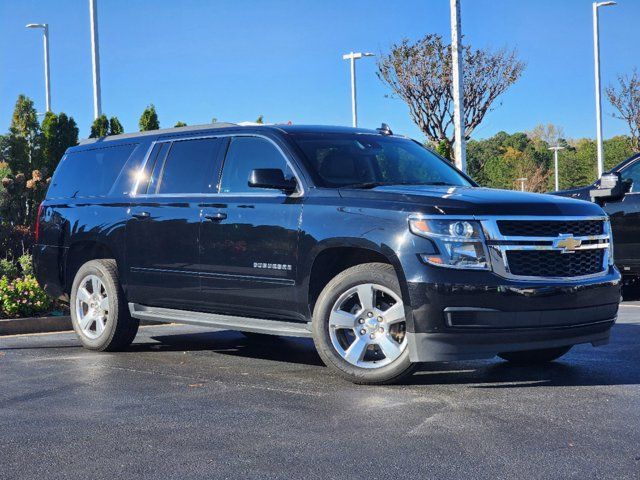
(149, 119)
(59, 132)
(180, 124)
(100, 127)
(24, 137)
(115, 127)
(260, 119)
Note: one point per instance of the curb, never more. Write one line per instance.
(21, 326)
(18, 326)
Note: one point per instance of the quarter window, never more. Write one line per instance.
(246, 154)
(189, 167)
(89, 173)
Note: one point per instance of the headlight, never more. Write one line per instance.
(460, 242)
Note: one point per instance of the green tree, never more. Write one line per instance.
(100, 127)
(115, 127)
(260, 119)
(59, 132)
(149, 119)
(444, 149)
(23, 143)
(180, 124)
(214, 120)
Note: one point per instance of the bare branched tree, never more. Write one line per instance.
(549, 133)
(420, 73)
(626, 98)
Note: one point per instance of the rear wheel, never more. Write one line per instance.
(359, 325)
(534, 356)
(99, 311)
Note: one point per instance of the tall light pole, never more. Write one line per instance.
(353, 57)
(95, 59)
(596, 56)
(555, 163)
(460, 147)
(47, 88)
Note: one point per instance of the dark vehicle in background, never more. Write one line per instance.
(369, 243)
(618, 193)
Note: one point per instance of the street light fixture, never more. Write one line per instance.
(555, 163)
(596, 55)
(47, 88)
(521, 180)
(353, 57)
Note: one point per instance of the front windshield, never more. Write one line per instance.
(364, 161)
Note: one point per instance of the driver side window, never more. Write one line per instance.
(632, 173)
(246, 154)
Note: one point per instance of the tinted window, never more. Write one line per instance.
(352, 159)
(154, 166)
(632, 173)
(189, 167)
(246, 154)
(89, 173)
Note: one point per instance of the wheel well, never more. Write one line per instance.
(332, 261)
(78, 255)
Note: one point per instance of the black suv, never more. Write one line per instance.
(367, 242)
(618, 193)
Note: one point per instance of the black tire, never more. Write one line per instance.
(533, 357)
(376, 273)
(120, 328)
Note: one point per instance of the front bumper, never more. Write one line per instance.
(460, 315)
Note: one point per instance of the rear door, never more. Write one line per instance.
(625, 222)
(164, 222)
(249, 236)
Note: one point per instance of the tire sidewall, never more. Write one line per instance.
(97, 269)
(380, 274)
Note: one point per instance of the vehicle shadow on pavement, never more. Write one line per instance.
(264, 347)
(615, 364)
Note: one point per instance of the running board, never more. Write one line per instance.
(228, 322)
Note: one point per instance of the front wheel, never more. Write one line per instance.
(359, 326)
(528, 357)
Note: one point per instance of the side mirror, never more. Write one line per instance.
(610, 187)
(272, 178)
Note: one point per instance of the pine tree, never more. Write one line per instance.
(180, 124)
(24, 137)
(100, 127)
(149, 119)
(59, 132)
(115, 127)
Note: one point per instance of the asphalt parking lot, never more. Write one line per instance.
(185, 402)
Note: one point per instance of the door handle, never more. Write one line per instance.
(141, 215)
(215, 217)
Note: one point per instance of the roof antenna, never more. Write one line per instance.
(384, 129)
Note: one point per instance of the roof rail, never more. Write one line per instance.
(187, 129)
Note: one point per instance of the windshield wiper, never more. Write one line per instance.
(367, 185)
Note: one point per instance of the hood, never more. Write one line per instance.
(473, 201)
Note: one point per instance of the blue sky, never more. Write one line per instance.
(235, 60)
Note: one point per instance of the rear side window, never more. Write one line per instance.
(244, 155)
(189, 167)
(89, 173)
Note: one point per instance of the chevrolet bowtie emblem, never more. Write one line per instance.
(567, 243)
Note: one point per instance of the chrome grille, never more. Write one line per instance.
(546, 228)
(542, 248)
